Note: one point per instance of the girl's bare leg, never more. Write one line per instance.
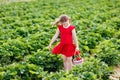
(64, 61)
(69, 64)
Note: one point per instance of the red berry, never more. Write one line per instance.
(77, 58)
(77, 52)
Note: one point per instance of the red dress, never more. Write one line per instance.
(66, 46)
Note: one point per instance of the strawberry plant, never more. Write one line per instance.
(25, 31)
(108, 51)
(48, 61)
(92, 69)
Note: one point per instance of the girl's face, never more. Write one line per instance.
(66, 23)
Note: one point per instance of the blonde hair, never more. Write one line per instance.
(64, 18)
(61, 19)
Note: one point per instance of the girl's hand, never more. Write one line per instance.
(77, 49)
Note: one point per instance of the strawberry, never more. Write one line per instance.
(78, 58)
(77, 52)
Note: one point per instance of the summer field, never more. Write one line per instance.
(25, 32)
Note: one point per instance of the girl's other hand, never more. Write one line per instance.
(77, 49)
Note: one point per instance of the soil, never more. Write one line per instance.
(116, 75)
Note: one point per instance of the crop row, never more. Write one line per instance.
(25, 32)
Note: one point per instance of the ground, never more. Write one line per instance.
(116, 75)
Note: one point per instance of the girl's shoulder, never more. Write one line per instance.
(72, 27)
(59, 26)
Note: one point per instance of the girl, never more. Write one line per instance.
(68, 41)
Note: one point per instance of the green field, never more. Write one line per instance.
(25, 32)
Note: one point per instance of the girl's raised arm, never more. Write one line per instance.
(54, 38)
